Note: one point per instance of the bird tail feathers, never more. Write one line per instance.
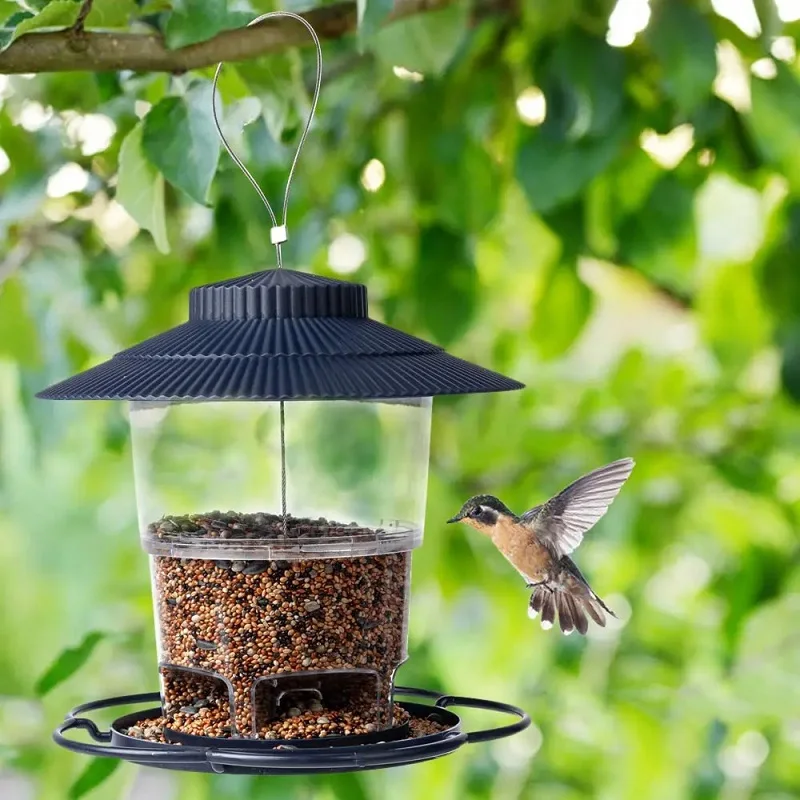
(573, 604)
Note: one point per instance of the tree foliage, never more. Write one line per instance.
(618, 227)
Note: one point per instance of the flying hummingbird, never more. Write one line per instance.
(539, 542)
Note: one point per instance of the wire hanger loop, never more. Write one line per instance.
(278, 233)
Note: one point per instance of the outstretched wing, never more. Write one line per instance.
(563, 520)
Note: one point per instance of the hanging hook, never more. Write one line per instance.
(278, 233)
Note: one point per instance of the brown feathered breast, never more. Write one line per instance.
(520, 546)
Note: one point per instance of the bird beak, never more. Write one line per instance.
(456, 518)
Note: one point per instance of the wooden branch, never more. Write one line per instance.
(100, 52)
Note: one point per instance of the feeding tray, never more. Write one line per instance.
(440, 734)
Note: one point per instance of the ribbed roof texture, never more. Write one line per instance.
(279, 335)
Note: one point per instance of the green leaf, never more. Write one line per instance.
(779, 278)
(349, 786)
(195, 21)
(95, 773)
(278, 84)
(733, 320)
(19, 337)
(775, 122)
(371, 15)
(58, 14)
(468, 195)
(684, 43)
(452, 172)
(561, 311)
(7, 32)
(445, 284)
(180, 139)
(103, 277)
(554, 172)
(140, 188)
(237, 117)
(230, 233)
(111, 13)
(155, 7)
(660, 238)
(569, 224)
(423, 43)
(633, 179)
(599, 213)
(68, 663)
(8, 8)
(21, 201)
(584, 83)
(780, 287)
(790, 361)
(765, 673)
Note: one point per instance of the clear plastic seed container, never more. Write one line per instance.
(276, 626)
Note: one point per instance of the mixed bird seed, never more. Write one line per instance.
(196, 704)
(231, 526)
(153, 729)
(251, 620)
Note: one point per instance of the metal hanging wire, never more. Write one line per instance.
(279, 232)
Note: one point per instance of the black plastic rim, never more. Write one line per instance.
(282, 760)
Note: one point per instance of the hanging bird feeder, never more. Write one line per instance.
(280, 440)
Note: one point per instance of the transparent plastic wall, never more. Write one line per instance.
(358, 465)
(267, 625)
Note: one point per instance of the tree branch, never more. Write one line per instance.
(52, 52)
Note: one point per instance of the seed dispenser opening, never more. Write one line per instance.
(281, 442)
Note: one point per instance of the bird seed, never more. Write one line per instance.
(281, 634)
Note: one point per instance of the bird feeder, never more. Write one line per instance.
(280, 441)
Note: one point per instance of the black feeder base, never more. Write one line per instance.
(294, 757)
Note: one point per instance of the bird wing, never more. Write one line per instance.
(563, 520)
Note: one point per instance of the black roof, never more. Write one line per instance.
(279, 335)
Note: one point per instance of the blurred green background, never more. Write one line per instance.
(599, 198)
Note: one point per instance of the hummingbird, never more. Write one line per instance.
(538, 544)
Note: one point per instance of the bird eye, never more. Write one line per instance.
(476, 512)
